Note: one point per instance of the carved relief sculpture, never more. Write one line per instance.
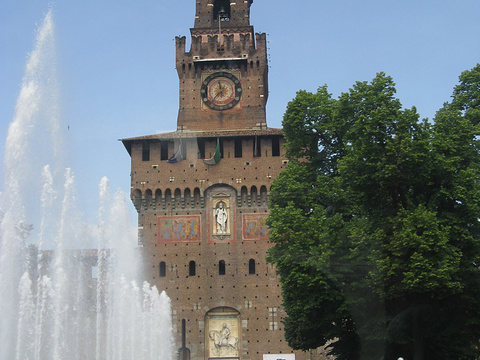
(223, 344)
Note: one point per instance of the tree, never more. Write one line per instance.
(375, 224)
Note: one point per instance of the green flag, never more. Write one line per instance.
(215, 159)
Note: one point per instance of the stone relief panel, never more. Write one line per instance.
(223, 334)
(178, 228)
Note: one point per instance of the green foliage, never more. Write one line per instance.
(375, 223)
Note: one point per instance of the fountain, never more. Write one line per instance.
(57, 301)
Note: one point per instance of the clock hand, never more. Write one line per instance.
(220, 92)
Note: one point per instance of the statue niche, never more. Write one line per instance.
(221, 214)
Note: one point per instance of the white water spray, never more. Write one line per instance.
(52, 308)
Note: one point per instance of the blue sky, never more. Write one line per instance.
(116, 63)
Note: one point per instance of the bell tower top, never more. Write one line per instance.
(232, 14)
(223, 78)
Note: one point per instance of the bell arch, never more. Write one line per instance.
(221, 9)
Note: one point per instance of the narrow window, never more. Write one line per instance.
(276, 146)
(187, 197)
(168, 197)
(164, 150)
(244, 196)
(253, 195)
(201, 148)
(238, 147)
(178, 197)
(263, 196)
(251, 266)
(145, 151)
(196, 197)
(163, 269)
(257, 147)
(221, 267)
(191, 268)
(184, 150)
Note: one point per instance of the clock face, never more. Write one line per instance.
(221, 91)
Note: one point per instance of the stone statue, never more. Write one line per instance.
(221, 216)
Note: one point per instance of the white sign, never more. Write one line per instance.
(279, 357)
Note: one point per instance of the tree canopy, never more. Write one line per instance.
(375, 224)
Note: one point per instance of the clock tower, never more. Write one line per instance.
(223, 78)
(201, 193)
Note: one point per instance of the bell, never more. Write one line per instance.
(222, 14)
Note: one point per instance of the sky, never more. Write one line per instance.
(116, 63)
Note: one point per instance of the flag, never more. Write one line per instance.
(215, 159)
(177, 156)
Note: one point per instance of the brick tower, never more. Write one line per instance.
(201, 193)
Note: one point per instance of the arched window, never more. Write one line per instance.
(158, 198)
(187, 196)
(253, 194)
(196, 196)
(163, 269)
(251, 266)
(244, 196)
(263, 195)
(191, 268)
(148, 197)
(221, 267)
(178, 198)
(168, 197)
